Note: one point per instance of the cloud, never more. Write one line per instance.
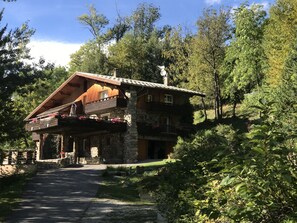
(53, 51)
(212, 2)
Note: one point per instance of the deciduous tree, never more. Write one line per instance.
(280, 33)
(245, 60)
(208, 54)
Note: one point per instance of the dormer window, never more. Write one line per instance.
(103, 94)
(168, 99)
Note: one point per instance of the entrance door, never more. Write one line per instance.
(156, 150)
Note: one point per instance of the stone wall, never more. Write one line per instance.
(107, 148)
(131, 135)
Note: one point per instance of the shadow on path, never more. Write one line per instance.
(60, 195)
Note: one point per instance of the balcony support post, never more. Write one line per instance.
(39, 152)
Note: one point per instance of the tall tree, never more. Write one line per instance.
(14, 73)
(176, 53)
(28, 97)
(89, 58)
(136, 58)
(245, 59)
(95, 23)
(208, 54)
(279, 36)
(143, 19)
(139, 52)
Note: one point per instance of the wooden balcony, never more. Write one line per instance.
(74, 125)
(146, 129)
(105, 104)
(166, 107)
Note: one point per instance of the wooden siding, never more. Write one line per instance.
(142, 149)
(104, 104)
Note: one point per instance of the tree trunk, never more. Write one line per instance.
(218, 109)
(204, 109)
(234, 109)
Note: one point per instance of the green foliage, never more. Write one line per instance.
(143, 19)
(11, 188)
(14, 73)
(28, 97)
(89, 58)
(244, 60)
(176, 52)
(94, 22)
(136, 58)
(280, 34)
(224, 176)
(206, 58)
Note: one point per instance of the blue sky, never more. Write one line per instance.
(55, 21)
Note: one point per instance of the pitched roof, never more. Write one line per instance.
(118, 81)
(126, 81)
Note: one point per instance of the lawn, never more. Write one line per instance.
(11, 188)
(124, 183)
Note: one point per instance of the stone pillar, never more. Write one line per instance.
(63, 142)
(75, 150)
(131, 135)
(39, 152)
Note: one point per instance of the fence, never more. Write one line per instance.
(13, 157)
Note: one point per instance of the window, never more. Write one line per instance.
(103, 94)
(168, 99)
(149, 98)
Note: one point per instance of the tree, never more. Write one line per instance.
(95, 23)
(118, 30)
(136, 58)
(176, 53)
(31, 95)
(279, 35)
(245, 60)
(143, 19)
(208, 54)
(89, 58)
(14, 73)
(139, 51)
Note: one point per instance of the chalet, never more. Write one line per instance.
(94, 118)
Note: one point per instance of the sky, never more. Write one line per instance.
(58, 32)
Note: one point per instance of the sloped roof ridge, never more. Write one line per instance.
(141, 83)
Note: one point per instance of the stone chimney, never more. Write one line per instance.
(114, 74)
(164, 75)
(165, 80)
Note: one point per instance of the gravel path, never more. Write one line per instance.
(59, 195)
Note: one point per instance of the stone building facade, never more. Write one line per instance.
(94, 118)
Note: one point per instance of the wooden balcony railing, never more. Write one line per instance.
(105, 104)
(75, 125)
(166, 107)
(163, 130)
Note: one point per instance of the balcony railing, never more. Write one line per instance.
(105, 104)
(159, 130)
(77, 125)
(166, 107)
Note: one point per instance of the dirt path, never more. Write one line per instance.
(60, 195)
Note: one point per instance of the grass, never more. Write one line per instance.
(124, 183)
(11, 188)
(118, 188)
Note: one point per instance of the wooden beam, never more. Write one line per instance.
(73, 85)
(63, 93)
